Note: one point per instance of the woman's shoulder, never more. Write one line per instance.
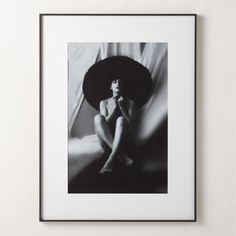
(105, 101)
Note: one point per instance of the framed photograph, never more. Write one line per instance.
(118, 117)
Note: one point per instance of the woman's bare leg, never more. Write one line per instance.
(106, 140)
(119, 133)
(103, 132)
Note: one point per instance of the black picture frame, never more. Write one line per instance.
(41, 219)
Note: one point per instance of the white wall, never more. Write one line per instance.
(19, 123)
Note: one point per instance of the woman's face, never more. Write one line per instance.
(116, 85)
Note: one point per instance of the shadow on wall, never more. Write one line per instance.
(83, 125)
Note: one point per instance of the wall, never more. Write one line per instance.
(19, 126)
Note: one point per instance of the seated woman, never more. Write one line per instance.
(113, 125)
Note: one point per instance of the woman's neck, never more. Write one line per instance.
(116, 94)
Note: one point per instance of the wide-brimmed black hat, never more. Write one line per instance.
(136, 80)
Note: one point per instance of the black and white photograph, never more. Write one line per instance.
(117, 117)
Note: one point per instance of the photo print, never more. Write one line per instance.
(117, 117)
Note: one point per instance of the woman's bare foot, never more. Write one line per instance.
(126, 160)
(105, 169)
(108, 166)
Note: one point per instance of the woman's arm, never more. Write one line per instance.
(103, 110)
(129, 112)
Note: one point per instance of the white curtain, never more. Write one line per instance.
(152, 55)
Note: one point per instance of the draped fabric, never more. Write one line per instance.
(152, 55)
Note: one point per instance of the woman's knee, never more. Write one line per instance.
(121, 122)
(98, 119)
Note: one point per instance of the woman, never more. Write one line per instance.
(113, 125)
